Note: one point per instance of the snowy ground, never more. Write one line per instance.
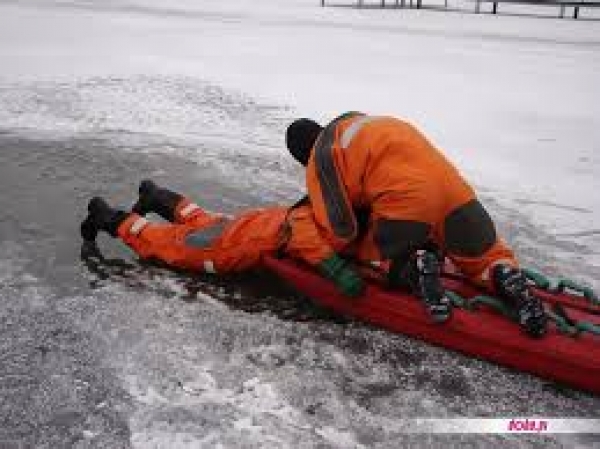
(96, 95)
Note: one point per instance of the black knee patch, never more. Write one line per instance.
(469, 230)
(398, 238)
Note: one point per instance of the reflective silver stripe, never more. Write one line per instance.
(138, 225)
(209, 266)
(354, 128)
(205, 237)
(187, 210)
(339, 214)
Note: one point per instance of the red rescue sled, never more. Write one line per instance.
(482, 333)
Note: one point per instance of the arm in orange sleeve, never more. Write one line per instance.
(331, 205)
(306, 242)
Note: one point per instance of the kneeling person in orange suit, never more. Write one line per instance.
(197, 240)
(412, 195)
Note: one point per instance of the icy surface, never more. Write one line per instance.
(96, 95)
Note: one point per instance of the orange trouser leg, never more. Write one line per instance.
(202, 241)
(241, 244)
(478, 269)
(166, 241)
(366, 250)
(248, 237)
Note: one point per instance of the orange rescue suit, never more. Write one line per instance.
(213, 243)
(387, 167)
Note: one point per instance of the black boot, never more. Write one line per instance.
(101, 217)
(156, 199)
(422, 275)
(511, 283)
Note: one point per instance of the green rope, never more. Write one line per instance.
(592, 328)
(457, 300)
(573, 329)
(562, 285)
(538, 279)
(472, 304)
(562, 324)
(587, 292)
(494, 303)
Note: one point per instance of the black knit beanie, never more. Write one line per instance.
(300, 138)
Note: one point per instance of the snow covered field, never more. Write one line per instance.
(96, 93)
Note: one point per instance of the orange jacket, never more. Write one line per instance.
(383, 164)
(387, 167)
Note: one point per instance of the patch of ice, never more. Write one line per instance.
(339, 438)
